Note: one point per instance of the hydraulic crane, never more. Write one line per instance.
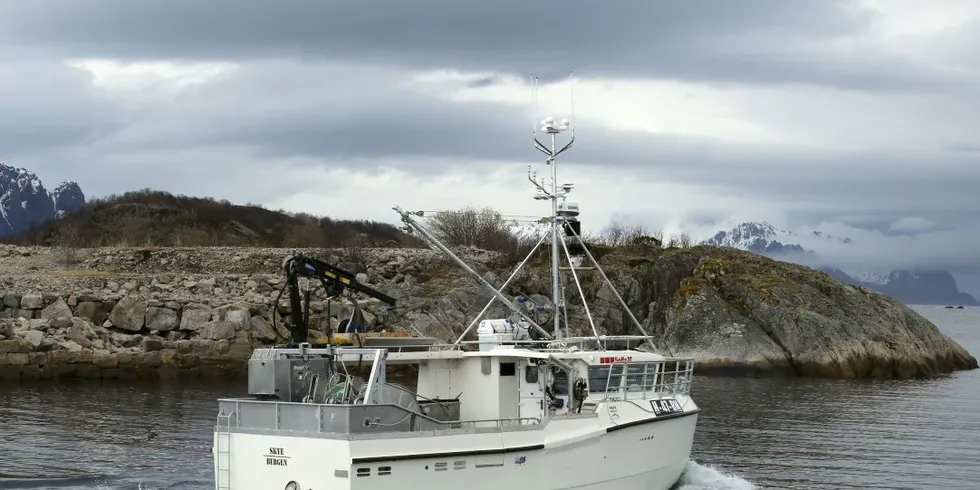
(334, 281)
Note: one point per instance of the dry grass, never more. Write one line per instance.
(87, 273)
(690, 286)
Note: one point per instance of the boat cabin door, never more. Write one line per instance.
(531, 384)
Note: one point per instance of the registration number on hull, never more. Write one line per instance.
(666, 406)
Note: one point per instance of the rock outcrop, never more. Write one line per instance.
(166, 312)
(770, 315)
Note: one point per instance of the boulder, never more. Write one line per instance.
(129, 314)
(194, 316)
(31, 302)
(58, 312)
(161, 319)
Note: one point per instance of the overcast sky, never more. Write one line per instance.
(856, 117)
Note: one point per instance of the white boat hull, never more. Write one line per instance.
(580, 453)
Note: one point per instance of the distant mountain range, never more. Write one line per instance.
(930, 287)
(25, 202)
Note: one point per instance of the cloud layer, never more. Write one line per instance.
(854, 117)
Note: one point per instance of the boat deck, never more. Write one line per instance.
(346, 421)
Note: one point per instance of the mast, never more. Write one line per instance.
(564, 228)
(553, 128)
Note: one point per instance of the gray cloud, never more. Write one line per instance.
(65, 111)
(278, 110)
(758, 41)
(320, 85)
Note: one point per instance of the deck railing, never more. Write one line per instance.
(604, 342)
(347, 419)
(642, 380)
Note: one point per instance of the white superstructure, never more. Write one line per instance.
(516, 407)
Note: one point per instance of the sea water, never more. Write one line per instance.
(752, 433)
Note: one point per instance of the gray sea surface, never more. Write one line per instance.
(752, 433)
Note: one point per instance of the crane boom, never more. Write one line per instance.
(334, 281)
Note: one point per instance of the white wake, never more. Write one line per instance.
(698, 477)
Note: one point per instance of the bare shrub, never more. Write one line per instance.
(133, 230)
(307, 233)
(631, 237)
(67, 241)
(637, 238)
(481, 228)
(682, 240)
(407, 240)
(354, 251)
(192, 237)
(523, 243)
(621, 235)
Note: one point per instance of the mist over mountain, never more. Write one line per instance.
(911, 286)
(25, 202)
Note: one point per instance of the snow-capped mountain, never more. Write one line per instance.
(67, 197)
(873, 277)
(764, 238)
(761, 238)
(25, 202)
(913, 287)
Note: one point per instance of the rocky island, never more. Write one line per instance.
(164, 312)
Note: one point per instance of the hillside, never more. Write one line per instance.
(155, 218)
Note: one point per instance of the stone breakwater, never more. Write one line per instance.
(115, 312)
(132, 332)
(106, 323)
(89, 336)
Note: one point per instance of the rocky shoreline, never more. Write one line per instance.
(86, 336)
(163, 313)
(159, 314)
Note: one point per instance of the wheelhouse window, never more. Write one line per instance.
(560, 385)
(634, 376)
(603, 379)
(637, 378)
(531, 373)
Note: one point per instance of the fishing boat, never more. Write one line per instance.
(517, 407)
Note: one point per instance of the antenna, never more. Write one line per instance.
(534, 97)
(553, 193)
(571, 102)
